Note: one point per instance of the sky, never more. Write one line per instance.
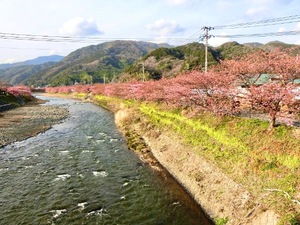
(177, 22)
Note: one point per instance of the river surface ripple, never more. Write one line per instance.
(81, 172)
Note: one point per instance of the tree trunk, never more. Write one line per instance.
(272, 122)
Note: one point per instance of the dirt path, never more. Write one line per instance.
(29, 120)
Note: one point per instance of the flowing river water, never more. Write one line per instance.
(81, 172)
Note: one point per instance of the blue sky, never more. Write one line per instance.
(173, 21)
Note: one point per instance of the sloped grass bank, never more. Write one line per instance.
(262, 161)
(265, 163)
(239, 143)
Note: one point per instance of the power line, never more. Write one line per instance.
(191, 38)
(253, 24)
(267, 22)
(76, 39)
(40, 49)
(284, 33)
(94, 39)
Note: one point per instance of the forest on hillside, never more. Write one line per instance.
(122, 61)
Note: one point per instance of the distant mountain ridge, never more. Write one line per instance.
(36, 61)
(169, 62)
(17, 74)
(126, 60)
(95, 63)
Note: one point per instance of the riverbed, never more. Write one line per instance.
(81, 172)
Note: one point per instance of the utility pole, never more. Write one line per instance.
(143, 71)
(205, 37)
(143, 67)
(114, 77)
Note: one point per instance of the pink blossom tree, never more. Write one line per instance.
(20, 91)
(215, 93)
(282, 69)
(271, 98)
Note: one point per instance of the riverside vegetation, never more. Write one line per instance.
(242, 170)
(265, 164)
(124, 60)
(202, 111)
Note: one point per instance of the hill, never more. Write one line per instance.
(168, 62)
(126, 60)
(16, 73)
(290, 48)
(234, 49)
(95, 63)
(36, 61)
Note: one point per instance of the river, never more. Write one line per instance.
(81, 172)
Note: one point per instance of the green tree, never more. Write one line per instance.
(85, 78)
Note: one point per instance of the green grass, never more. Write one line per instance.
(242, 147)
(212, 142)
(81, 95)
(187, 127)
(221, 221)
(289, 161)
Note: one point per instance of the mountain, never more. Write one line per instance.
(95, 63)
(36, 61)
(289, 48)
(43, 59)
(126, 60)
(168, 62)
(17, 74)
(234, 49)
(253, 44)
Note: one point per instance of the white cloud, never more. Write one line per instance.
(56, 52)
(281, 29)
(177, 2)
(256, 11)
(217, 41)
(163, 27)
(11, 60)
(224, 5)
(79, 26)
(268, 2)
(259, 1)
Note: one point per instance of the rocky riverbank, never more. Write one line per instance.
(29, 120)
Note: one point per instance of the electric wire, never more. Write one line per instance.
(193, 37)
(284, 33)
(266, 22)
(255, 24)
(77, 39)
